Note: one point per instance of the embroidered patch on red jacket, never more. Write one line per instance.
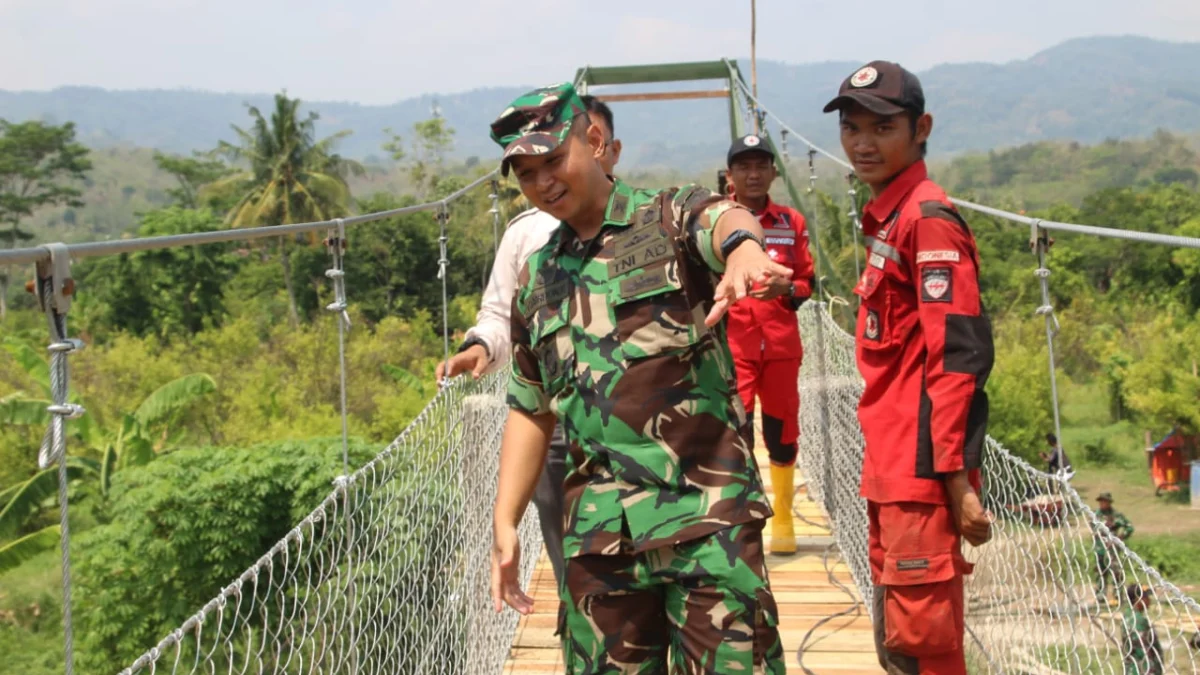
(871, 330)
(936, 256)
(936, 284)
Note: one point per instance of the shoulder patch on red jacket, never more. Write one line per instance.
(937, 209)
(936, 285)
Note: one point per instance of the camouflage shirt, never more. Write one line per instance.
(1116, 522)
(606, 336)
(1142, 651)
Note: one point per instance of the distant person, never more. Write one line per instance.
(723, 182)
(488, 343)
(764, 334)
(1108, 557)
(1056, 459)
(924, 348)
(1141, 650)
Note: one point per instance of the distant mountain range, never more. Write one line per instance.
(1086, 89)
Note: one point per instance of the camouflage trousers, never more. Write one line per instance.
(1109, 574)
(703, 606)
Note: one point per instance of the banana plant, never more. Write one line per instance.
(134, 443)
(404, 378)
(16, 553)
(23, 500)
(21, 408)
(136, 439)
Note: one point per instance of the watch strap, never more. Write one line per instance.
(472, 341)
(735, 239)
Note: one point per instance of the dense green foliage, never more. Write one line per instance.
(184, 528)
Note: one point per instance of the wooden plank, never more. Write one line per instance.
(664, 95)
(803, 592)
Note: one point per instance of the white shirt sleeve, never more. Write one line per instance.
(525, 234)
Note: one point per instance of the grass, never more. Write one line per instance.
(1111, 457)
(31, 617)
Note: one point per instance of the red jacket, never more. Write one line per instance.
(924, 345)
(767, 329)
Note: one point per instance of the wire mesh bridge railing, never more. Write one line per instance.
(389, 575)
(1032, 604)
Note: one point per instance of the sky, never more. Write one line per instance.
(380, 51)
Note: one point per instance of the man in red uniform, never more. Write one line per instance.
(763, 334)
(924, 348)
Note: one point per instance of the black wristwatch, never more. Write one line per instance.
(473, 340)
(735, 239)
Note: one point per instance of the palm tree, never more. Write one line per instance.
(291, 177)
(512, 200)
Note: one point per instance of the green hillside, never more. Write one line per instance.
(1085, 90)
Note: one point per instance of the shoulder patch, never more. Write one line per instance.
(943, 211)
(936, 285)
(691, 197)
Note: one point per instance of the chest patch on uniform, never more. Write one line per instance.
(876, 261)
(639, 248)
(547, 295)
(871, 328)
(780, 240)
(868, 282)
(937, 256)
(936, 285)
(650, 281)
(631, 239)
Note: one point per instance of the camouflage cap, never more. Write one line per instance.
(1104, 497)
(536, 122)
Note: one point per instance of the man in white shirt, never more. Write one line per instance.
(488, 345)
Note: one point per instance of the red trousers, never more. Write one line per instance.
(776, 384)
(917, 568)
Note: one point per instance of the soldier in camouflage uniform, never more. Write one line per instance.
(1108, 562)
(616, 331)
(1140, 646)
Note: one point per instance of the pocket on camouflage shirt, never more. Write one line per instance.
(651, 312)
(550, 334)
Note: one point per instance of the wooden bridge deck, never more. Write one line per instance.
(803, 591)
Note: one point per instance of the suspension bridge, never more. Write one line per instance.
(390, 572)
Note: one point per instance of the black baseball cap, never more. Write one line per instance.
(883, 87)
(750, 143)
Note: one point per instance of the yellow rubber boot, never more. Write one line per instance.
(783, 532)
